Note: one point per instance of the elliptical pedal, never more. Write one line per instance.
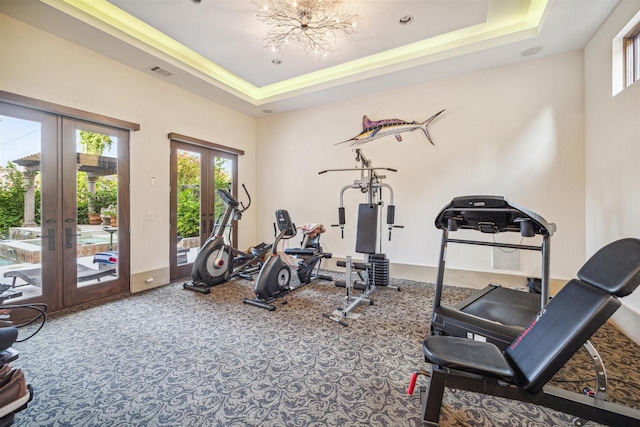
(197, 286)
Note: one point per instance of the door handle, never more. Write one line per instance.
(51, 235)
(68, 232)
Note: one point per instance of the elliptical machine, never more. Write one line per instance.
(217, 261)
(275, 276)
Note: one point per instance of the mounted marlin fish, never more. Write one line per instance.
(377, 129)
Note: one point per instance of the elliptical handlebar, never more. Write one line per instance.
(232, 211)
(244, 208)
(228, 199)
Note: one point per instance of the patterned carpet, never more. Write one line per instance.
(170, 357)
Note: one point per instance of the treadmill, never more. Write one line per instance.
(495, 314)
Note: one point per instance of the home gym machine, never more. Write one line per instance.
(374, 271)
(274, 279)
(218, 261)
(496, 314)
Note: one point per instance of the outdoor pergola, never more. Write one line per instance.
(93, 164)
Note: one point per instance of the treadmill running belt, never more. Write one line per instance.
(505, 305)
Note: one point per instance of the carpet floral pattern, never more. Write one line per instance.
(170, 357)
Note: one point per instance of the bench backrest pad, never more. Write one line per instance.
(557, 332)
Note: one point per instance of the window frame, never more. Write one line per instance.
(631, 49)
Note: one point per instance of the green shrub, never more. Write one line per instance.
(188, 213)
(11, 199)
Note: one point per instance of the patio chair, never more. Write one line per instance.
(33, 276)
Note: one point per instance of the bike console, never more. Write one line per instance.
(285, 224)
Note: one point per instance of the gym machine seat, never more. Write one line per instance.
(495, 314)
(310, 254)
(522, 370)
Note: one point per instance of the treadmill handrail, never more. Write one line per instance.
(496, 244)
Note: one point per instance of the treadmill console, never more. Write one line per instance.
(492, 214)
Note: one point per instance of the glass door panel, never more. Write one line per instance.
(93, 194)
(28, 235)
(97, 207)
(189, 191)
(223, 178)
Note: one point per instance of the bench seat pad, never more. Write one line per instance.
(463, 354)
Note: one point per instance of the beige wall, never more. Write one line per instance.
(36, 64)
(612, 139)
(515, 131)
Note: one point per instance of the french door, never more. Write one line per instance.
(97, 259)
(55, 171)
(197, 171)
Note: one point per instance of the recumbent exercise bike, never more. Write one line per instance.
(274, 278)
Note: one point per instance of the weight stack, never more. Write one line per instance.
(379, 271)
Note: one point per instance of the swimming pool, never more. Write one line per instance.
(28, 251)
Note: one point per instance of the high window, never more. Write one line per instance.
(631, 44)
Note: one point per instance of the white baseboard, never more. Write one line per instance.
(453, 277)
(626, 319)
(149, 279)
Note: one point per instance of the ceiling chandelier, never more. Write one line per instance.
(314, 25)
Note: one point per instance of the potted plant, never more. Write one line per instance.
(94, 218)
(110, 215)
(95, 206)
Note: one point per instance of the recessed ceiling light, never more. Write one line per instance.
(531, 51)
(267, 111)
(405, 20)
(276, 61)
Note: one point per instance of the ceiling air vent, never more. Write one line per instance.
(161, 71)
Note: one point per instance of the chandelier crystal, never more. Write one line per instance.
(314, 25)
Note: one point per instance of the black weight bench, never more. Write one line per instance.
(562, 326)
